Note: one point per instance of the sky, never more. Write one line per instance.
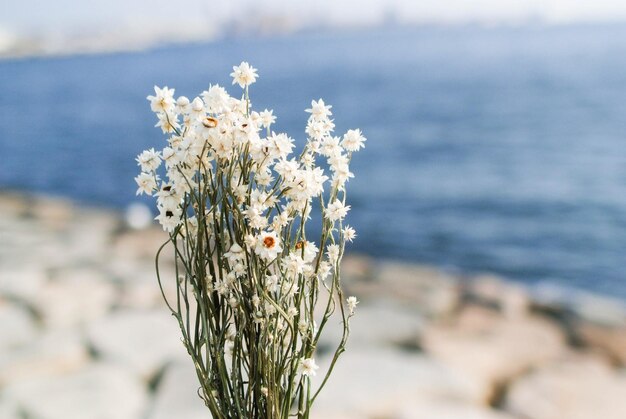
(60, 16)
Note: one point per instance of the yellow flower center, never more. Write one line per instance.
(209, 122)
(269, 242)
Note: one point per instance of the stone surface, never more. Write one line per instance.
(100, 391)
(84, 334)
(16, 326)
(446, 409)
(53, 353)
(175, 397)
(611, 341)
(372, 383)
(8, 410)
(143, 341)
(21, 282)
(579, 388)
(428, 290)
(491, 349)
(75, 297)
(512, 299)
(377, 324)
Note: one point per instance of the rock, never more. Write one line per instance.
(356, 268)
(584, 306)
(446, 409)
(16, 326)
(611, 341)
(141, 340)
(379, 324)
(53, 353)
(97, 392)
(579, 388)
(23, 282)
(52, 212)
(430, 291)
(600, 310)
(141, 245)
(13, 205)
(92, 244)
(373, 382)
(491, 349)
(144, 294)
(75, 297)
(510, 298)
(177, 396)
(9, 411)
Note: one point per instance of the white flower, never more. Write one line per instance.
(250, 241)
(352, 302)
(235, 253)
(280, 145)
(293, 264)
(268, 245)
(216, 98)
(307, 249)
(197, 106)
(149, 160)
(332, 251)
(163, 101)
(167, 196)
(271, 282)
(319, 109)
(267, 118)
(330, 147)
(169, 218)
(323, 270)
(336, 210)
(183, 105)
(244, 74)
(264, 178)
(168, 122)
(147, 183)
(255, 217)
(349, 233)
(353, 140)
(308, 367)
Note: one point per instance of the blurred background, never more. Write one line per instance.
(490, 201)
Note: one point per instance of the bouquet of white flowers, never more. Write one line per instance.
(249, 280)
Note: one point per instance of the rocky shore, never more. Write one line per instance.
(84, 334)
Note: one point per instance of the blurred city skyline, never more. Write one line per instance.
(36, 27)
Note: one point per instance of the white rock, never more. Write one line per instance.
(22, 282)
(16, 326)
(445, 409)
(601, 310)
(99, 392)
(8, 410)
(53, 353)
(381, 324)
(573, 389)
(367, 383)
(75, 297)
(511, 298)
(177, 395)
(430, 291)
(491, 349)
(141, 340)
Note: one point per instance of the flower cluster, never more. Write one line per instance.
(235, 200)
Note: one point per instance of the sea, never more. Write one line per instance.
(489, 149)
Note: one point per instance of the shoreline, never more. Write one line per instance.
(540, 292)
(81, 317)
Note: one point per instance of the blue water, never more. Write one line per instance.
(500, 150)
